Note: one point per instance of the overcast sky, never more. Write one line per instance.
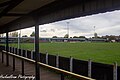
(105, 24)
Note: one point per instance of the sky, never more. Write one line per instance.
(103, 24)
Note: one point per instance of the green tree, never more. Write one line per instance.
(33, 34)
(66, 36)
(14, 34)
(54, 37)
(24, 36)
(81, 36)
(75, 37)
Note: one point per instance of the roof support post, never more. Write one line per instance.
(37, 68)
(7, 47)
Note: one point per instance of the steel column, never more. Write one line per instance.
(23, 54)
(13, 59)
(2, 57)
(23, 67)
(7, 57)
(37, 69)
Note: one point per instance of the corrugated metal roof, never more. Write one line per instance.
(23, 7)
(18, 14)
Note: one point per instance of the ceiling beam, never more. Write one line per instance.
(13, 4)
(14, 14)
(5, 3)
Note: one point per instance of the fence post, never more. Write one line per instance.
(115, 71)
(46, 58)
(9, 49)
(32, 54)
(89, 67)
(13, 59)
(17, 51)
(71, 64)
(26, 53)
(57, 61)
(5, 48)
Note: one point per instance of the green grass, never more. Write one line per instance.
(98, 52)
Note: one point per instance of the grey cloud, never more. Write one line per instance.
(53, 30)
(43, 31)
(106, 23)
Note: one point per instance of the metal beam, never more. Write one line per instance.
(7, 57)
(14, 14)
(37, 69)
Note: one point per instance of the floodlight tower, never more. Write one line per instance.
(94, 29)
(68, 28)
(19, 35)
(95, 34)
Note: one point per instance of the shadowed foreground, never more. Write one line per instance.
(29, 70)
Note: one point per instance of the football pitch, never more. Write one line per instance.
(99, 52)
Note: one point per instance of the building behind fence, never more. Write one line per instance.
(31, 40)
